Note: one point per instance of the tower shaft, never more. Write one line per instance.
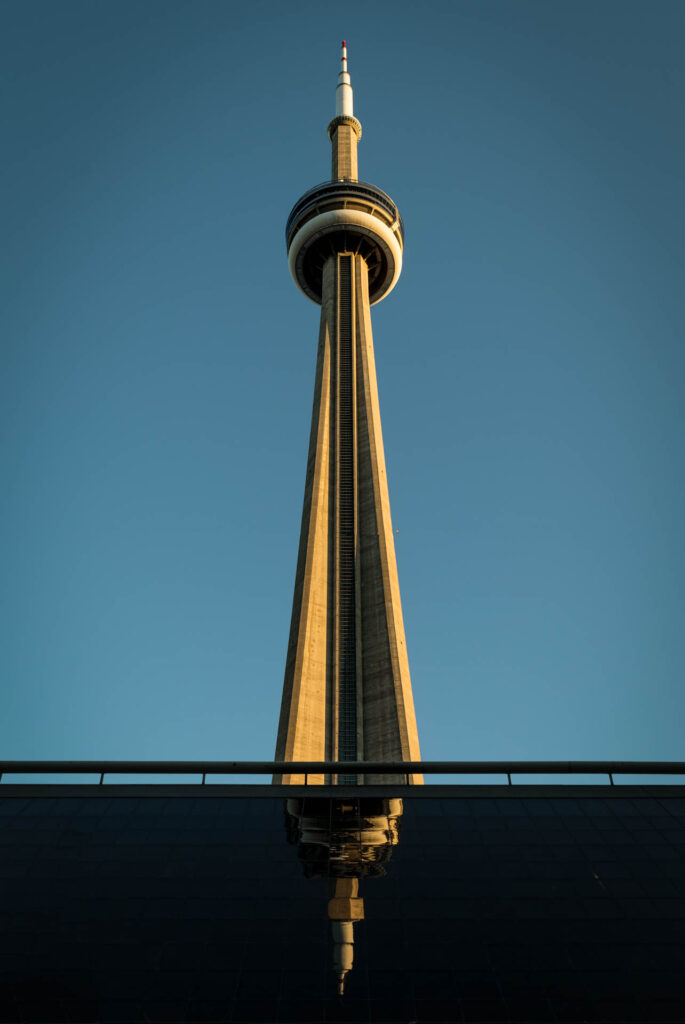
(345, 133)
(347, 692)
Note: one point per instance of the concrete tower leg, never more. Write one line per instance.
(347, 692)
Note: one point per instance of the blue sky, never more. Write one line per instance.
(157, 367)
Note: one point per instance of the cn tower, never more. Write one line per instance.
(347, 692)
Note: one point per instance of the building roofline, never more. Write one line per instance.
(214, 791)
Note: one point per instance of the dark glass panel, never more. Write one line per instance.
(438, 1010)
(300, 1011)
(258, 1010)
(167, 901)
(473, 1010)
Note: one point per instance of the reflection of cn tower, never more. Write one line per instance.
(344, 840)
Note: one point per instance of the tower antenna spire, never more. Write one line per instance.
(344, 106)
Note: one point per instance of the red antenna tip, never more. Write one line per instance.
(344, 43)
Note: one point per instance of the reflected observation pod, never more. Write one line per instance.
(347, 692)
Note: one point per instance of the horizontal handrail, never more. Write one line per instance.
(307, 768)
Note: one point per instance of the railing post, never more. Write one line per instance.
(102, 778)
(204, 776)
(611, 778)
(509, 778)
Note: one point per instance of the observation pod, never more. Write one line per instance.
(345, 216)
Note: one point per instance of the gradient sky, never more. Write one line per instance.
(158, 366)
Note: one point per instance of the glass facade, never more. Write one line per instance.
(551, 907)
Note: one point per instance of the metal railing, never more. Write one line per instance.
(308, 768)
